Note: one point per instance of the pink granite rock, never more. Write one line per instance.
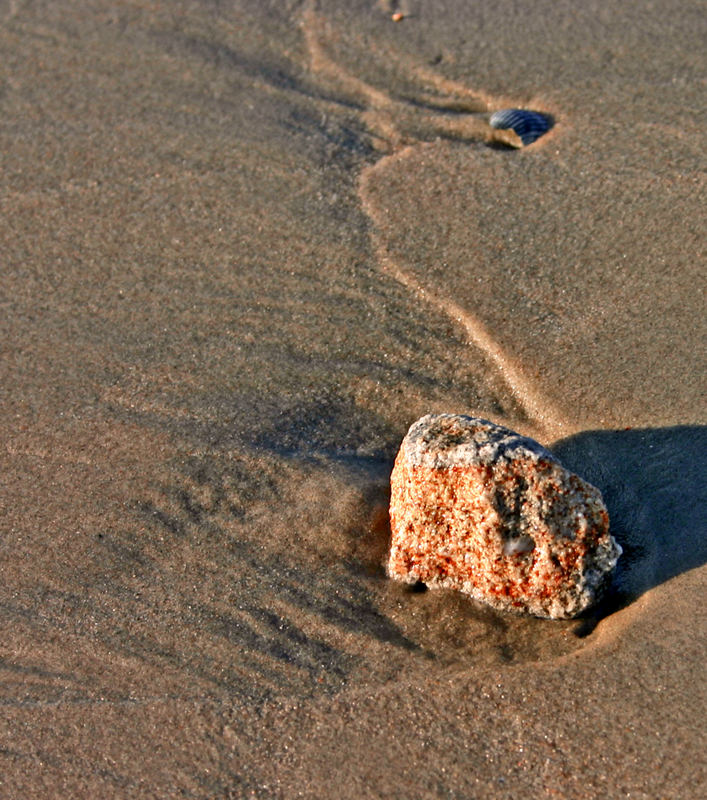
(479, 508)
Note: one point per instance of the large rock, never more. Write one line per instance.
(479, 508)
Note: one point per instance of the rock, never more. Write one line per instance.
(479, 508)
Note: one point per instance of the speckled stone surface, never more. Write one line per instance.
(479, 508)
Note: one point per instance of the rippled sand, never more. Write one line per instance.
(244, 247)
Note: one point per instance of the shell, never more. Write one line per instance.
(529, 125)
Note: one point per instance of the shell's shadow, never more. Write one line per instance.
(653, 485)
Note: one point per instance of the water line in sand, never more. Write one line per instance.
(380, 117)
(547, 418)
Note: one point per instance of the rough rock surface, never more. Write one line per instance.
(479, 508)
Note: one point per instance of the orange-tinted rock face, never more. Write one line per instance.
(479, 508)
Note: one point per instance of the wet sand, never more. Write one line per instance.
(244, 247)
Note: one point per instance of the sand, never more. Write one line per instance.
(243, 246)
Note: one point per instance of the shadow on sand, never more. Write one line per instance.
(653, 485)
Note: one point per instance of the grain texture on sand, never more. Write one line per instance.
(244, 245)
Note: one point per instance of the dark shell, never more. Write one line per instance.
(529, 125)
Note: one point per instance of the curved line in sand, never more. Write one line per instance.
(543, 414)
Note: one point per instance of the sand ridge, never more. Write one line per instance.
(382, 115)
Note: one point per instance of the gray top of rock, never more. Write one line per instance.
(441, 441)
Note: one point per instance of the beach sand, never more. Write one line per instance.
(244, 246)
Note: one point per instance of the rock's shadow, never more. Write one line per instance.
(653, 485)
